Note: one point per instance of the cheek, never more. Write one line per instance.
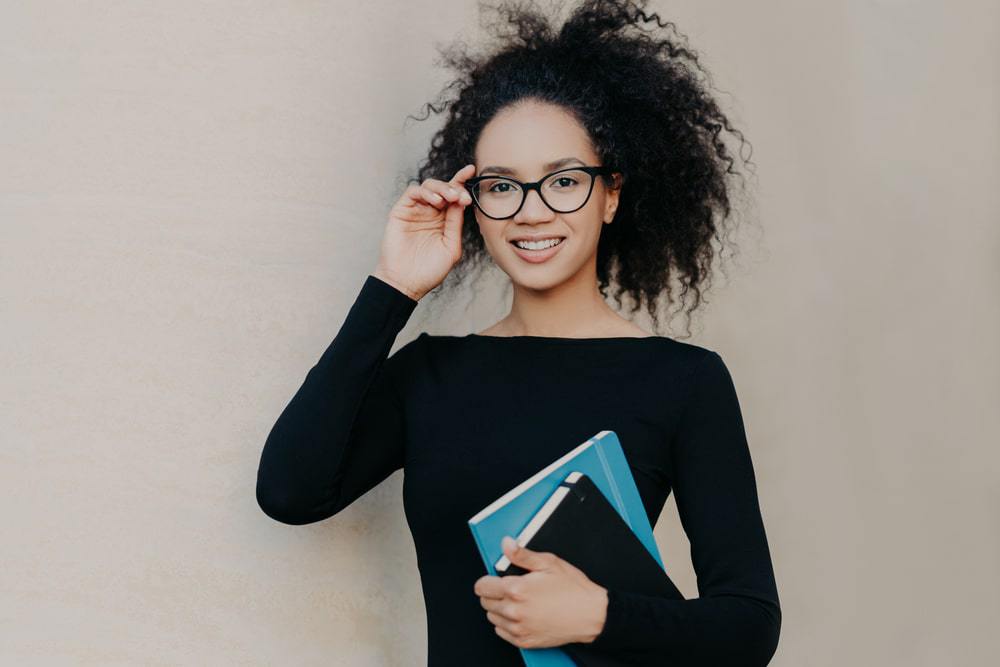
(492, 238)
(586, 232)
(490, 234)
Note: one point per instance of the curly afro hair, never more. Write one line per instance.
(644, 100)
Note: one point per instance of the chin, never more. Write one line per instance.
(541, 280)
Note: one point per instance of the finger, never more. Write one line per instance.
(502, 607)
(463, 174)
(459, 179)
(497, 618)
(489, 586)
(506, 635)
(433, 198)
(495, 606)
(499, 612)
(446, 189)
(418, 194)
(449, 191)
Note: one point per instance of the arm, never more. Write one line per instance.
(737, 619)
(342, 432)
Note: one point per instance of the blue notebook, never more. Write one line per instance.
(601, 458)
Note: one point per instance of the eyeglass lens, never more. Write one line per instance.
(564, 192)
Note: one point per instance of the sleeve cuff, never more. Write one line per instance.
(385, 290)
(637, 622)
(613, 633)
(379, 307)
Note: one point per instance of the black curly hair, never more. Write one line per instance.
(644, 100)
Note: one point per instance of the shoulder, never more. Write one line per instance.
(709, 389)
(702, 372)
(689, 359)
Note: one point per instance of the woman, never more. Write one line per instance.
(563, 155)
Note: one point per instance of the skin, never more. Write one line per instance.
(554, 603)
(558, 297)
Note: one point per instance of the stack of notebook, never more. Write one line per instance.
(585, 508)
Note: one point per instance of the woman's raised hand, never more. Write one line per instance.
(423, 239)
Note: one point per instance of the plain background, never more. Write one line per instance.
(192, 194)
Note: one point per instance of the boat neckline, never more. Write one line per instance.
(550, 339)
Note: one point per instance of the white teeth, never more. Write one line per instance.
(537, 245)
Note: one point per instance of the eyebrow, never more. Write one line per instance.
(548, 166)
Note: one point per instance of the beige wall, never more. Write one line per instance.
(192, 193)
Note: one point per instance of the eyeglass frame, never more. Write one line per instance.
(594, 171)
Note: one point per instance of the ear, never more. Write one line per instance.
(611, 200)
(609, 211)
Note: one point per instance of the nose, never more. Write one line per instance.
(534, 209)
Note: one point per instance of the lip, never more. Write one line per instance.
(537, 256)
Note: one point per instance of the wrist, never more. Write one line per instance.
(387, 277)
(599, 615)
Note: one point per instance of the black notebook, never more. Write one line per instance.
(579, 524)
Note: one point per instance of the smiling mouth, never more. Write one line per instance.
(537, 246)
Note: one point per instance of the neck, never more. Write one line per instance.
(570, 309)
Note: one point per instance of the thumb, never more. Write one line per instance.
(523, 556)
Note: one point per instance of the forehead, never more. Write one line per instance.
(527, 137)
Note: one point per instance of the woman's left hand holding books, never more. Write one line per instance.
(553, 604)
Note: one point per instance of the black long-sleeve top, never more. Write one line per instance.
(469, 417)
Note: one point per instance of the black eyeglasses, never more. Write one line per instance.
(563, 191)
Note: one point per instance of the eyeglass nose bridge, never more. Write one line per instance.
(537, 187)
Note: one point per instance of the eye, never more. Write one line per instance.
(572, 181)
(497, 184)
